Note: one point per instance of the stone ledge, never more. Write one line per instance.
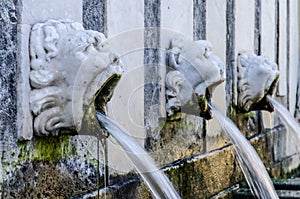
(201, 176)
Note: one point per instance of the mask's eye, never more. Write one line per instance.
(114, 59)
(87, 48)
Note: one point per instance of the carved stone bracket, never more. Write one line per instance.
(257, 78)
(194, 73)
(70, 68)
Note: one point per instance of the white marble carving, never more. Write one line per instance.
(69, 66)
(257, 78)
(194, 73)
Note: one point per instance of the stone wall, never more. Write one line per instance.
(9, 46)
(195, 153)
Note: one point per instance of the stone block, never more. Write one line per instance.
(124, 16)
(176, 18)
(268, 47)
(179, 138)
(24, 117)
(293, 54)
(206, 176)
(125, 22)
(268, 29)
(263, 147)
(282, 50)
(244, 25)
(216, 34)
(244, 34)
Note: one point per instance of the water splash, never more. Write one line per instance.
(287, 117)
(158, 183)
(251, 165)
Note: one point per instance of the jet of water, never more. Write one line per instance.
(159, 184)
(250, 163)
(287, 117)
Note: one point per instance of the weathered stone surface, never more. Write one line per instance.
(230, 55)
(179, 138)
(8, 69)
(198, 177)
(130, 188)
(247, 123)
(199, 21)
(205, 177)
(154, 72)
(263, 147)
(42, 179)
(94, 17)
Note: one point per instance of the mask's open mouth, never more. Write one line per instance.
(200, 105)
(97, 94)
(204, 103)
(103, 96)
(105, 93)
(264, 103)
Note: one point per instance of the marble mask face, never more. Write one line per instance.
(73, 71)
(257, 78)
(195, 72)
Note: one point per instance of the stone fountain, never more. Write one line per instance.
(52, 72)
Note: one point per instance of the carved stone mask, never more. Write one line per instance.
(257, 78)
(195, 72)
(70, 69)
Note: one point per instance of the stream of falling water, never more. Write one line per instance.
(159, 184)
(251, 165)
(287, 117)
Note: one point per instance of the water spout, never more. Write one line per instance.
(250, 163)
(194, 73)
(257, 78)
(158, 183)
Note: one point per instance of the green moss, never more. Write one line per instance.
(53, 148)
(293, 173)
(175, 176)
(46, 149)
